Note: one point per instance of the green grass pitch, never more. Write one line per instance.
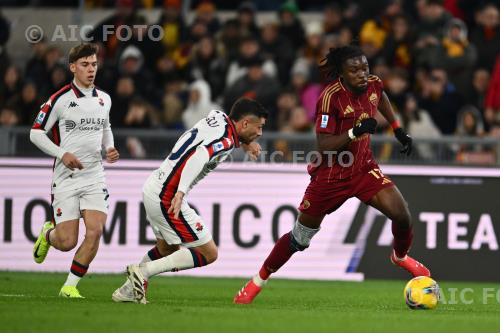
(28, 303)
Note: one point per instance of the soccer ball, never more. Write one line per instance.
(421, 292)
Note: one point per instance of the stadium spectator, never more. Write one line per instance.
(419, 124)
(298, 121)
(249, 49)
(146, 40)
(256, 85)
(486, 35)
(26, 103)
(172, 108)
(208, 64)
(229, 37)
(173, 24)
(397, 50)
(205, 13)
(397, 87)
(12, 82)
(9, 116)
(290, 26)
(307, 91)
(470, 124)
(132, 65)
(125, 92)
(246, 20)
(140, 114)
(35, 67)
(374, 31)
(277, 49)
(52, 58)
(59, 76)
(109, 43)
(432, 20)
(313, 51)
(456, 55)
(492, 103)
(332, 18)
(441, 100)
(4, 38)
(199, 103)
(285, 103)
(476, 93)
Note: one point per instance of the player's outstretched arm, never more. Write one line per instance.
(385, 109)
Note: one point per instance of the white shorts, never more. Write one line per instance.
(187, 230)
(68, 205)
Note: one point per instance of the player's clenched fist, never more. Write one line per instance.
(365, 126)
(112, 155)
(71, 162)
(253, 149)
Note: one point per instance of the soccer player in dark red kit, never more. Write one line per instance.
(344, 121)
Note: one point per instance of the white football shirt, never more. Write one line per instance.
(78, 119)
(209, 143)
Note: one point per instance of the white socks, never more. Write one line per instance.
(177, 261)
(259, 281)
(72, 280)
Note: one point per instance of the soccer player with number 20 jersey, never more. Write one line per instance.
(183, 241)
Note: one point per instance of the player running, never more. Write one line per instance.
(344, 120)
(196, 153)
(78, 117)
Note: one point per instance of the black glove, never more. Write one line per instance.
(365, 126)
(405, 140)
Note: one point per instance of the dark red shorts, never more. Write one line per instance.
(324, 197)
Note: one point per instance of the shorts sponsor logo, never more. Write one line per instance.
(59, 212)
(101, 102)
(324, 121)
(199, 226)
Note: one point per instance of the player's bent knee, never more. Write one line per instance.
(300, 236)
(67, 244)
(211, 255)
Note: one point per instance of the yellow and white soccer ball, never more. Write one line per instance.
(422, 293)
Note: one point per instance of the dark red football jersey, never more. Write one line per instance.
(337, 111)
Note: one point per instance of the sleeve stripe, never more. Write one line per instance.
(47, 109)
(327, 96)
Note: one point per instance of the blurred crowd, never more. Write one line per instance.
(439, 61)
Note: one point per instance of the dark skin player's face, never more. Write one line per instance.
(355, 73)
